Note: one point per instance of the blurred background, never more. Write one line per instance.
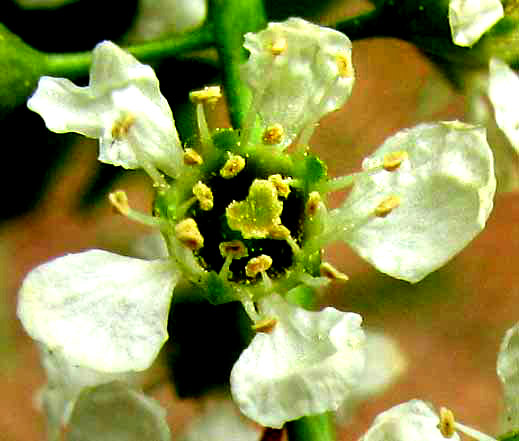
(449, 326)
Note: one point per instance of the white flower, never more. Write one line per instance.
(117, 412)
(470, 19)
(410, 421)
(444, 194)
(122, 106)
(308, 364)
(298, 72)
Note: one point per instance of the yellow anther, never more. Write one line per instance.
(122, 126)
(258, 265)
(265, 325)
(273, 134)
(387, 206)
(204, 195)
(189, 235)
(119, 202)
(279, 45)
(234, 165)
(192, 157)
(446, 425)
(209, 94)
(393, 160)
(330, 272)
(312, 205)
(235, 249)
(282, 185)
(279, 232)
(344, 65)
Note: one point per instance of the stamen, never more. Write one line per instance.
(120, 130)
(119, 201)
(204, 195)
(266, 325)
(273, 134)
(446, 425)
(330, 272)
(344, 65)
(278, 46)
(192, 157)
(189, 235)
(393, 160)
(279, 232)
(282, 185)
(258, 265)
(234, 165)
(234, 249)
(208, 95)
(387, 206)
(122, 126)
(312, 205)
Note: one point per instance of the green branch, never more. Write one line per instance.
(77, 64)
(232, 19)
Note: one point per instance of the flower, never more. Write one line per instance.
(470, 19)
(419, 199)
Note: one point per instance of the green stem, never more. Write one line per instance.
(232, 19)
(312, 428)
(73, 65)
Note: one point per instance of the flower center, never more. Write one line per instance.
(249, 206)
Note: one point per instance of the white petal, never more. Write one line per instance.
(156, 18)
(152, 135)
(117, 412)
(222, 421)
(308, 364)
(105, 312)
(384, 364)
(508, 372)
(66, 107)
(64, 383)
(446, 188)
(409, 421)
(470, 19)
(503, 91)
(302, 84)
(121, 89)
